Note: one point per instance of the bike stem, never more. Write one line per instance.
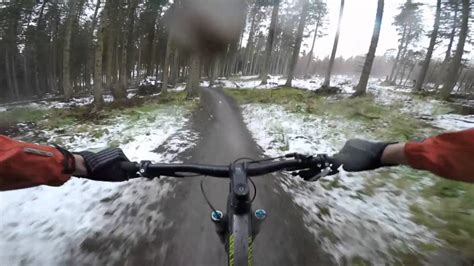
(240, 201)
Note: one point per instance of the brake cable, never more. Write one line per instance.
(254, 189)
(205, 196)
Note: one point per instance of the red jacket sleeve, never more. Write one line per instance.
(450, 155)
(25, 165)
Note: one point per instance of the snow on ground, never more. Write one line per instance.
(339, 211)
(454, 121)
(180, 87)
(82, 217)
(390, 95)
(47, 104)
(435, 110)
(150, 81)
(254, 82)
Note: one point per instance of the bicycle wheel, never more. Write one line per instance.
(240, 243)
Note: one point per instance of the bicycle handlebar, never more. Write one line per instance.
(310, 165)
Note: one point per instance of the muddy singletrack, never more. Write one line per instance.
(191, 240)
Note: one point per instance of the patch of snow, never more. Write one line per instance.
(391, 95)
(338, 211)
(150, 80)
(254, 82)
(49, 225)
(3, 109)
(454, 122)
(249, 77)
(108, 98)
(180, 87)
(76, 101)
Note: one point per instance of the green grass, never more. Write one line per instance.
(449, 207)
(384, 122)
(85, 116)
(450, 213)
(284, 95)
(21, 114)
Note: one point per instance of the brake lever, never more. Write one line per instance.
(299, 156)
(323, 173)
(329, 167)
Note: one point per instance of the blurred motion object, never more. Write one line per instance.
(207, 26)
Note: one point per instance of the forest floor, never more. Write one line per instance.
(49, 225)
(394, 215)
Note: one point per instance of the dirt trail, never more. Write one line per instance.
(191, 240)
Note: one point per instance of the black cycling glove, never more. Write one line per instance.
(361, 155)
(105, 165)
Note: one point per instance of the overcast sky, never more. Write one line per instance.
(357, 27)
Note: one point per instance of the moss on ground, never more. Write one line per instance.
(282, 95)
(450, 213)
(81, 117)
(22, 114)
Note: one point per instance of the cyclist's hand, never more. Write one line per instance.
(105, 165)
(361, 155)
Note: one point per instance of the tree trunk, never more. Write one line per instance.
(361, 88)
(269, 44)
(310, 54)
(90, 57)
(401, 73)
(124, 65)
(399, 52)
(16, 90)
(299, 38)
(462, 79)
(447, 55)
(214, 69)
(327, 79)
(175, 67)
(166, 65)
(67, 87)
(98, 77)
(455, 65)
(110, 57)
(453, 33)
(37, 49)
(192, 85)
(409, 74)
(9, 76)
(250, 40)
(231, 59)
(123, 77)
(426, 64)
(403, 58)
(26, 82)
(53, 66)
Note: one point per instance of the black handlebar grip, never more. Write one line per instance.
(131, 168)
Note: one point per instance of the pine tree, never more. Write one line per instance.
(327, 79)
(361, 87)
(429, 53)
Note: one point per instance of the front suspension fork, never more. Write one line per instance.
(221, 223)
